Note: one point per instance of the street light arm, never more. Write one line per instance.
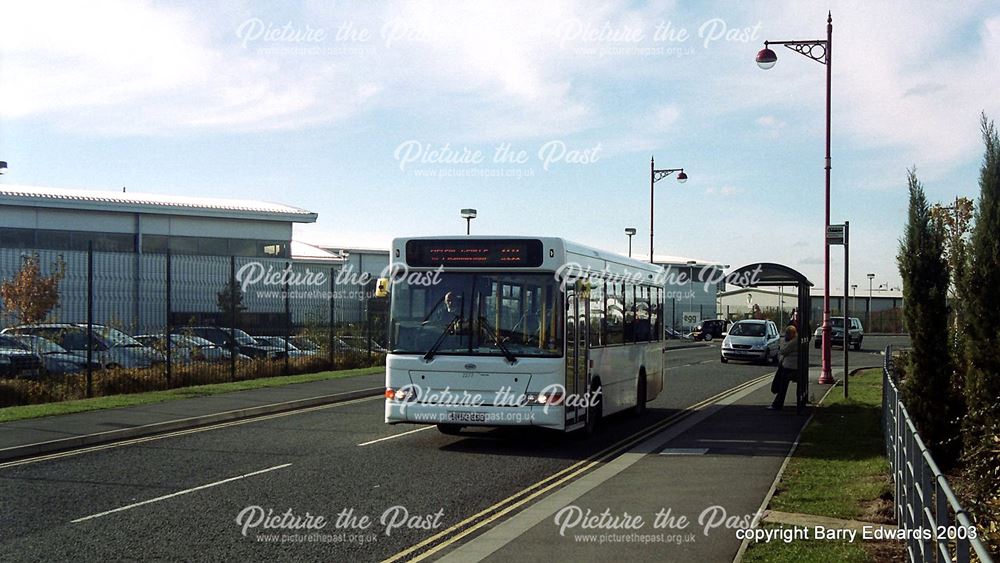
(661, 174)
(815, 50)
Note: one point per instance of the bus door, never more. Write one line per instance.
(577, 331)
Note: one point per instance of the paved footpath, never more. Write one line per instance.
(706, 477)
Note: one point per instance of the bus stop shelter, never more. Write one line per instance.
(766, 274)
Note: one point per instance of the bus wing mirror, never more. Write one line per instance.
(382, 287)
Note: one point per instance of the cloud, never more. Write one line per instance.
(665, 116)
(769, 122)
(124, 68)
(725, 191)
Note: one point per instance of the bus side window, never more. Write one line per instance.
(614, 314)
(656, 313)
(596, 313)
(629, 324)
(642, 329)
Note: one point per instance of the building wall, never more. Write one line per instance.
(689, 289)
(113, 222)
(734, 304)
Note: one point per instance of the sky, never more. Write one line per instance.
(387, 118)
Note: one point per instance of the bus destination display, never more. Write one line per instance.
(507, 253)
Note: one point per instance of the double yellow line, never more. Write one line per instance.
(477, 521)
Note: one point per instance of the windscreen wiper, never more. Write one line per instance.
(496, 338)
(440, 339)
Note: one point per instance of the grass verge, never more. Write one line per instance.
(840, 471)
(9, 414)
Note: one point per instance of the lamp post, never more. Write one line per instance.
(868, 321)
(654, 177)
(468, 215)
(718, 300)
(691, 264)
(854, 297)
(630, 231)
(820, 51)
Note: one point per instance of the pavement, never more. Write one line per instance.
(693, 485)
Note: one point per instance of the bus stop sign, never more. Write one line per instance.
(836, 235)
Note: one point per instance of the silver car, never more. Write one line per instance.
(753, 340)
(111, 347)
(185, 348)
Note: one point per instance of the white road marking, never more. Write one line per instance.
(396, 436)
(179, 493)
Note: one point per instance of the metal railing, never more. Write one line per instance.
(938, 528)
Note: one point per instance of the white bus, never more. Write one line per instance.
(488, 331)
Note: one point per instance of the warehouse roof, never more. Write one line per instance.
(164, 204)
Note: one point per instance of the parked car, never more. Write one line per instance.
(220, 336)
(855, 334)
(672, 334)
(709, 329)
(16, 360)
(358, 343)
(305, 344)
(751, 339)
(111, 347)
(186, 348)
(278, 342)
(55, 358)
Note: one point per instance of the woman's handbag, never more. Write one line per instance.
(779, 374)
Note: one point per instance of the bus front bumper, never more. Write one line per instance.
(422, 413)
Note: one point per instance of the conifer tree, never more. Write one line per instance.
(928, 391)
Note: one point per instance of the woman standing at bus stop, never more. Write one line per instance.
(788, 367)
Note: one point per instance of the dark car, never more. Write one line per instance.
(16, 360)
(222, 336)
(709, 329)
(55, 358)
(855, 334)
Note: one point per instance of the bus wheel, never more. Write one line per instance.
(640, 396)
(594, 409)
(450, 429)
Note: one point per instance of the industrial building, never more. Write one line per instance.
(131, 234)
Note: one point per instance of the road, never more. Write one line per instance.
(201, 495)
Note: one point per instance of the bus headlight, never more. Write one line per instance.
(543, 398)
(550, 398)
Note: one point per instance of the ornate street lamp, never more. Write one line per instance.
(818, 50)
(654, 177)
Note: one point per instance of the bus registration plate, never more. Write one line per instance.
(458, 416)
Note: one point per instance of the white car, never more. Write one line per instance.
(751, 340)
